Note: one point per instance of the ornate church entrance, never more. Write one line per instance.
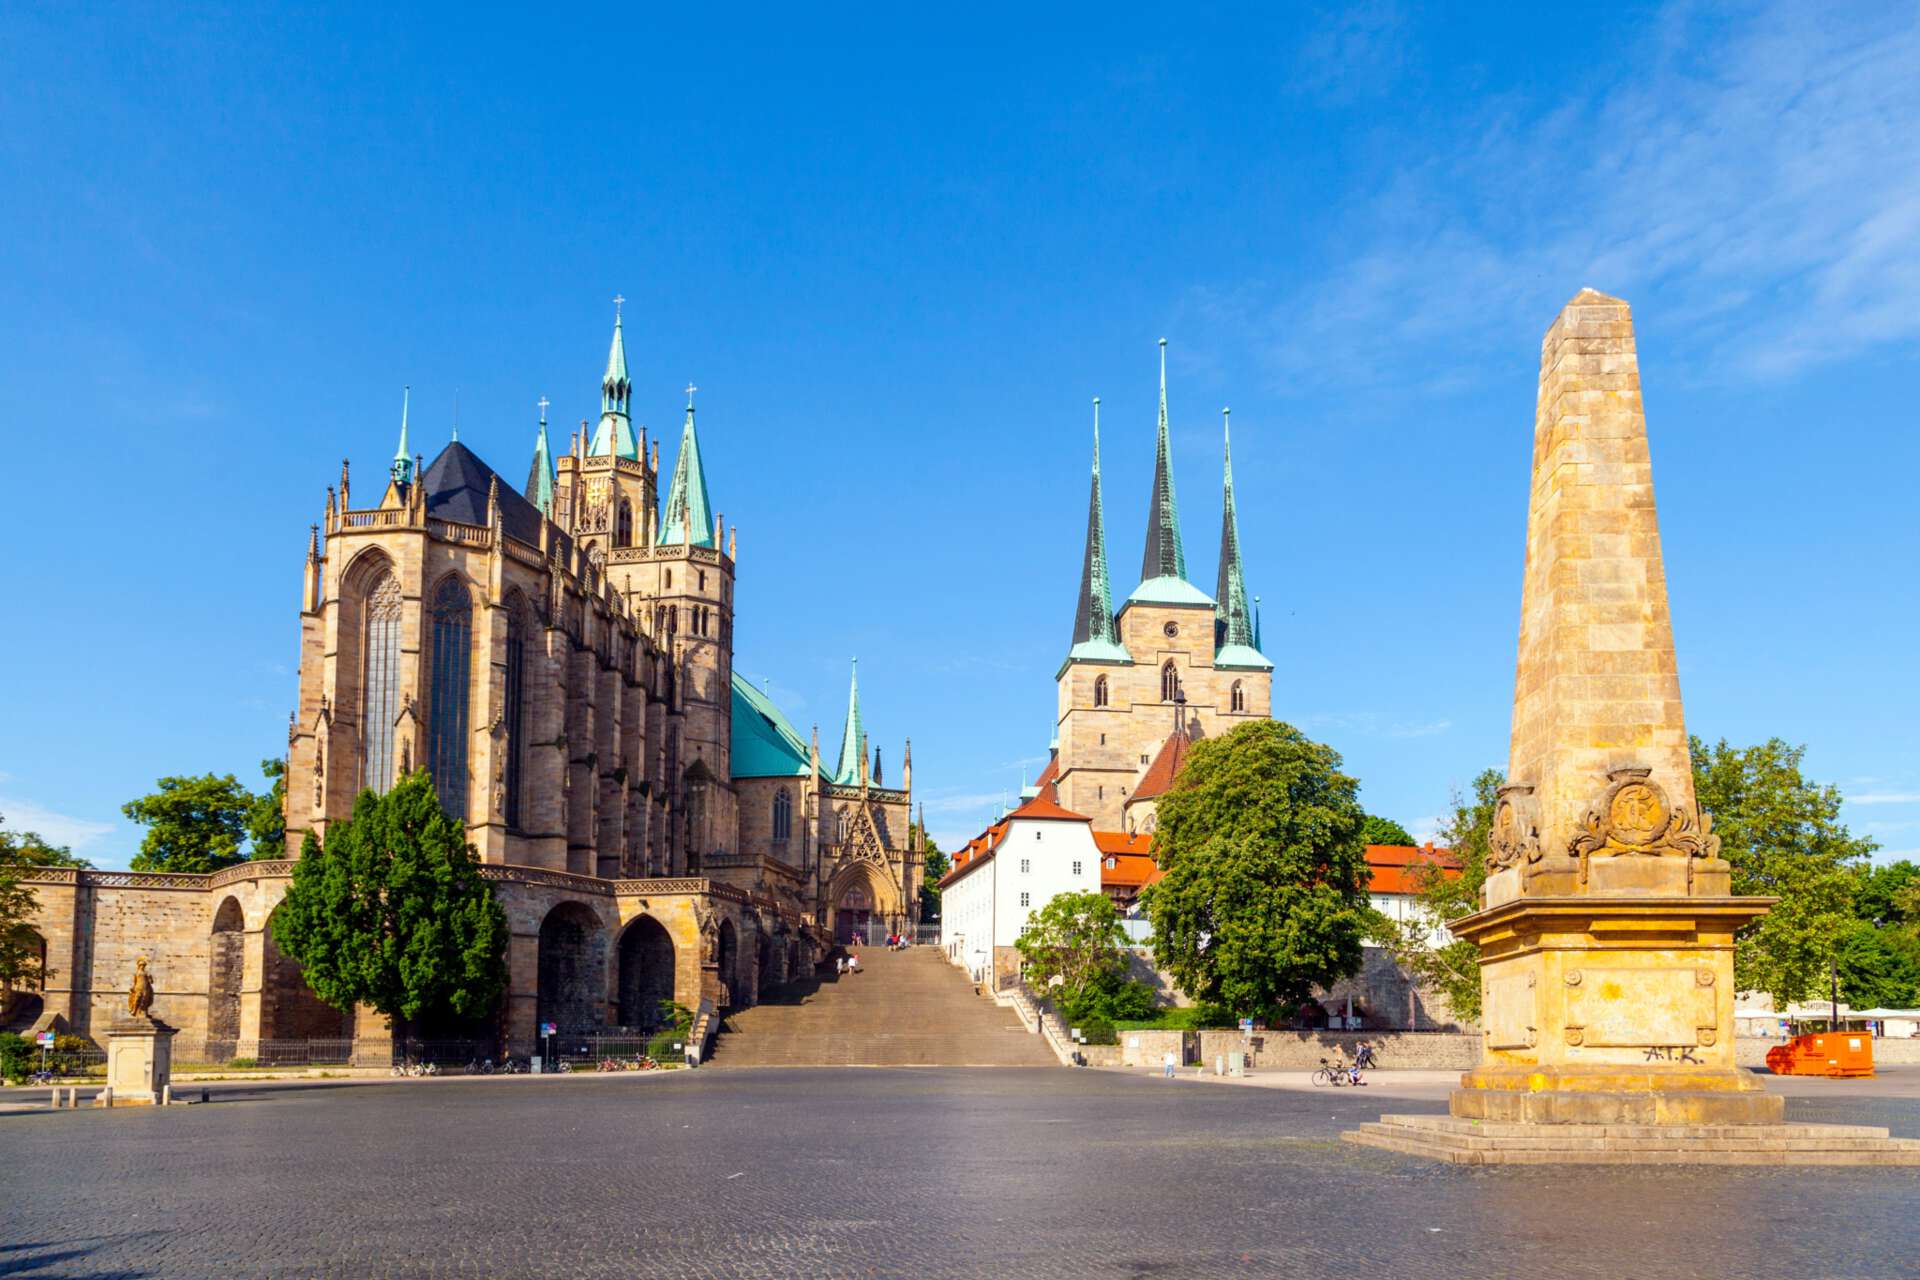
(853, 917)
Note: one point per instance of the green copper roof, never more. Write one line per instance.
(1241, 655)
(540, 475)
(1165, 556)
(403, 457)
(1168, 591)
(615, 433)
(689, 517)
(1232, 619)
(1094, 633)
(765, 745)
(847, 773)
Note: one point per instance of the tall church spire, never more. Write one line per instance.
(403, 457)
(1095, 634)
(853, 740)
(1234, 645)
(1165, 557)
(540, 476)
(615, 433)
(689, 516)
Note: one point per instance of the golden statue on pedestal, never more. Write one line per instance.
(140, 997)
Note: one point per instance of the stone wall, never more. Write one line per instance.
(1302, 1050)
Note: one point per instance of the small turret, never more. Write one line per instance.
(403, 471)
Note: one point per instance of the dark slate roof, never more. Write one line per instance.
(457, 483)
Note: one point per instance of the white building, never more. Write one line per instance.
(1005, 874)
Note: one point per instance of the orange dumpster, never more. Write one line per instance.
(1847, 1054)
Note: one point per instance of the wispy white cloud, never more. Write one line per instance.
(1757, 170)
(60, 828)
(1886, 797)
(1424, 729)
(966, 801)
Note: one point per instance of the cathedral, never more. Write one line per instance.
(560, 657)
(1171, 665)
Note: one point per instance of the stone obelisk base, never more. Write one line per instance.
(139, 1061)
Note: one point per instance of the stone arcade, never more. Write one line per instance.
(562, 660)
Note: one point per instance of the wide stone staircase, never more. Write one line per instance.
(903, 1009)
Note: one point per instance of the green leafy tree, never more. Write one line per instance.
(193, 824)
(1378, 830)
(22, 963)
(1783, 836)
(1879, 967)
(1072, 943)
(1421, 944)
(391, 911)
(934, 865)
(1264, 892)
(31, 849)
(267, 816)
(1889, 895)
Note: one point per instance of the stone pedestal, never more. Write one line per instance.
(1611, 1010)
(139, 1060)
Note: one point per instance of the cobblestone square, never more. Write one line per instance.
(830, 1173)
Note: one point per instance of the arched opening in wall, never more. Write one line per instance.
(1238, 698)
(1169, 682)
(763, 956)
(21, 1003)
(853, 914)
(646, 974)
(1100, 691)
(782, 815)
(728, 957)
(452, 653)
(623, 525)
(289, 1009)
(226, 964)
(571, 968)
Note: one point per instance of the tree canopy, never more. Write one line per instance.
(1378, 830)
(21, 961)
(267, 815)
(1448, 964)
(390, 911)
(934, 865)
(1264, 892)
(1783, 836)
(200, 823)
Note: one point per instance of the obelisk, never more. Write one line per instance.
(1606, 926)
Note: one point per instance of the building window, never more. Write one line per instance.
(1111, 863)
(1026, 866)
(1238, 699)
(1100, 691)
(703, 579)
(380, 685)
(452, 670)
(1169, 682)
(669, 579)
(514, 708)
(782, 814)
(1076, 866)
(623, 525)
(843, 828)
(1103, 739)
(1026, 899)
(1100, 792)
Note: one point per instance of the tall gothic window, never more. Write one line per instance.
(623, 525)
(782, 814)
(379, 683)
(1239, 697)
(1169, 682)
(843, 828)
(452, 672)
(515, 705)
(1100, 691)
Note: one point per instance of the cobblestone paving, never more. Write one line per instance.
(824, 1173)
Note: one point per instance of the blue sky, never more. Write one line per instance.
(900, 255)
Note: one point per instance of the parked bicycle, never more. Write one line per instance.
(1337, 1074)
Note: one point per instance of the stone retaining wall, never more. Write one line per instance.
(1302, 1050)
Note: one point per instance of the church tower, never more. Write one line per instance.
(690, 580)
(1173, 660)
(604, 489)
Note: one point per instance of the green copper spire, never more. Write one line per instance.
(615, 432)
(689, 516)
(848, 772)
(1256, 624)
(1232, 620)
(403, 457)
(1096, 636)
(1163, 569)
(540, 476)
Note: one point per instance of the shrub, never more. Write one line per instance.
(1098, 1031)
(244, 1063)
(16, 1057)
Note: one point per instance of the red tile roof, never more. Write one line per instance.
(1158, 779)
(1132, 864)
(1392, 865)
(1045, 807)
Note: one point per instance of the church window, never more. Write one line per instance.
(514, 706)
(380, 685)
(1169, 682)
(623, 525)
(452, 668)
(1238, 698)
(843, 828)
(782, 814)
(669, 579)
(703, 578)
(1100, 691)
(673, 622)
(1103, 739)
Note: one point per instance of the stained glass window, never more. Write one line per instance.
(380, 683)
(452, 671)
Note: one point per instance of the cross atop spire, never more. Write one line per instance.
(540, 475)
(690, 390)
(618, 299)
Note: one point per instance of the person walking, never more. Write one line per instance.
(1171, 1062)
